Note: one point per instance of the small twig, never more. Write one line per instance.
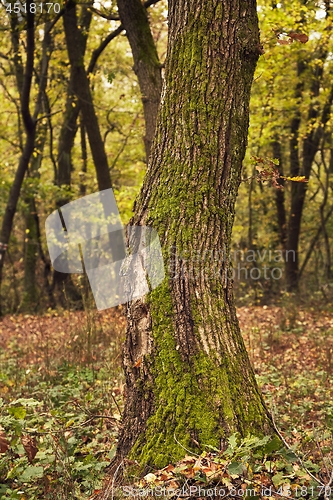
(116, 403)
(109, 17)
(93, 417)
(113, 479)
(40, 118)
(297, 456)
(322, 456)
(188, 451)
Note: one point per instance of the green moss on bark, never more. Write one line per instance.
(196, 370)
(195, 402)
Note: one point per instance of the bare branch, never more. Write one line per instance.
(109, 17)
(103, 45)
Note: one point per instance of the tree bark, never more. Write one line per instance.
(30, 290)
(147, 66)
(189, 382)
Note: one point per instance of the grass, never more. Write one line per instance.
(62, 393)
(291, 352)
(61, 387)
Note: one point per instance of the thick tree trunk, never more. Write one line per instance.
(188, 376)
(147, 67)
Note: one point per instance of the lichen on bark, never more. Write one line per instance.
(189, 379)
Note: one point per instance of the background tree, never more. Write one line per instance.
(24, 83)
(146, 63)
(189, 380)
(291, 120)
(59, 175)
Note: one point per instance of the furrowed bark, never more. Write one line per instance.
(189, 382)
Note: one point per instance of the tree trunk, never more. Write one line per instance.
(63, 282)
(310, 144)
(24, 82)
(188, 376)
(81, 88)
(280, 198)
(30, 290)
(147, 67)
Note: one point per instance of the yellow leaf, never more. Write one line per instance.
(298, 178)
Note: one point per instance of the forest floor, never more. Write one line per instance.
(61, 388)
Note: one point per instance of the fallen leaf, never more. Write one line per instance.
(29, 444)
(150, 478)
(4, 444)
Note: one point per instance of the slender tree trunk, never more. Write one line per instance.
(84, 159)
(326, 189)
(280, 198)
(61, 281)
(314, 242)
(188, 376)
(30, 291)
(295, 214)
(147, 67)
(310, 146)
(24, 81)
(81, 88)
(14, 194)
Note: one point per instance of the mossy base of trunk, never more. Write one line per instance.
(197, 401)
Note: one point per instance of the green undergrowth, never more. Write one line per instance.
(252, 467)
(59, 420)
(291, 350)
(62, 399)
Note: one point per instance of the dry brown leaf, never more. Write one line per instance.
(188, 459)
(164, 477)
(4, 443)
(173, 485)
(169, 468)
(138, 363)
(197, 466)
(189, 473)
(29, 444)
(284, 42)
(301, 37)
